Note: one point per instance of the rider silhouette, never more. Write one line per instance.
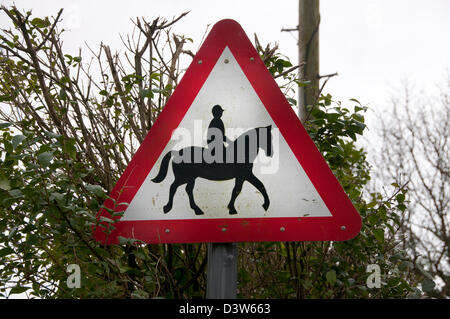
(216, 130)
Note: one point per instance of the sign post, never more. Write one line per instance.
(222, 271)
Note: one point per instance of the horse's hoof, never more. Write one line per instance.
(232, 211)
(166, 209)
(266, 206)
(198, 212)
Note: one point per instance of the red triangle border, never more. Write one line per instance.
(345, 222)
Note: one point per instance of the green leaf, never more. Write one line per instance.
(126, 241)
(292, 101)
(379, 234)
(58, 197)
(373, 219)
(12, 232)
(40, 23)
(139, 294)
(423, 271)
(372, 204)
(4, 98)
(69, 148)
(18, 290)
(155, 76)
(106, 219)
(352, 136)
(16, 140)
(45, 158)
(5, 125)
(405, 265)
(331, 277)
(427, 285)
(4, 183)
(358, 127)
(400, 198)
(16, 193)
(64, 79)
(52, 135)
(145, 93)
(62, 94)
(122, 240)
(303, 84)
(6, 251)
(96, 190)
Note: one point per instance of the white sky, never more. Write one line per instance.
(372, 44)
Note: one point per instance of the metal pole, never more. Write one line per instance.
(221, 281)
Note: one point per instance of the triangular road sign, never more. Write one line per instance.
(275, 185)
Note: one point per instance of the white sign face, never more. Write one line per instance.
(288, 188)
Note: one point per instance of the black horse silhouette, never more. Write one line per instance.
(236, 161)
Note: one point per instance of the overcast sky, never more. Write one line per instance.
(372, 44)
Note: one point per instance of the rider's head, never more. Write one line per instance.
(217, 111)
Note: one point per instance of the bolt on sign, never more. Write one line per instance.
(227, 160)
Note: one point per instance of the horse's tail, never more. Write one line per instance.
(163, 168)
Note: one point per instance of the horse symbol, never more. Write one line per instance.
(232, 162)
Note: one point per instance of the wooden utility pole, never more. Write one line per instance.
(308, 53)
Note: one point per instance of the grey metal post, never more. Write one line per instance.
(221, 281)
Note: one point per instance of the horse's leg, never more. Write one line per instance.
(252, 179)
(236, 191)
(190, 192)
(173, 189)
